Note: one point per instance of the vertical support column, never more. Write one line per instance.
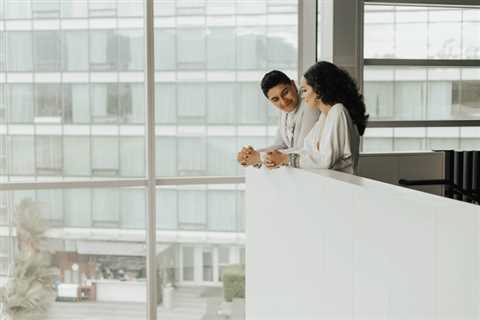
(307, 34)
(150, 156)
(348, 37)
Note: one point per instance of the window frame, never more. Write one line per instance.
(418, 63)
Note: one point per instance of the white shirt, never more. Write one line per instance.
(294, 126)
(333, 143)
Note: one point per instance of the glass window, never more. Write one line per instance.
(191, 102)
(221, 156)
(78, 207)
(251, 47)
(167, 206)
(221, 99)
(102, 8)
(191, 156)
(3, 104)
(253, 104)
(222, 210)
(76, 154)
(106, 207)
(51, 206)
(3, 157)
(130, 50)
(75, 51)
(191, 49)
(166, 156)
(18, 9)
(132, 157)
(3, 51)
(74, 8)
(188, 262)
(22, 156)
(132, 208)
(76, 103)
(165, 49)
(46, 9)
(103, 50)
(221, 48)
(48, 106)
(165, 103)
(49, 155)
(421, 93)
(282, 47)
(130, 8)
(415, 32)
(105, 102)
(132, 102)
(105, 156)
(20, 107)
(192, 206)
(19, 51)
(207, 257)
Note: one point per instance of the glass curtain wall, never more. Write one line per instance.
(72, 109)
(443, 46)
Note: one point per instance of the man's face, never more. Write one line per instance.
(284, 96)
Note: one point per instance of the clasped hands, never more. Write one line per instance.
(248, 156)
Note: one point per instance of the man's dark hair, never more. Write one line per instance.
(272, 79)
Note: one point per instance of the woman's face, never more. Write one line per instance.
(308, 95)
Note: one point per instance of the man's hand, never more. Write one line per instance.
(275, 159)
(248, 156)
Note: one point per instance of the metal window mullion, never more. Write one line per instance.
(151, 229)
(423, 62)
(456, 3)
(422, 123)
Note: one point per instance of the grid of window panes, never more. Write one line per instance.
(210, 57)
(402, 93)
(72, 108)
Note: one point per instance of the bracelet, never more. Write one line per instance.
(293, 160)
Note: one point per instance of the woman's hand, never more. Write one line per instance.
(275, 159)
(248, 156)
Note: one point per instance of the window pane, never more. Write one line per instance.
(415, 32)
(76, 153)
(22, 156)
(48, 103)
(105, 156)
(222, 210)
(18, 9)
(49, 155)
(75, 51)
(47, 50)
(422, 93)
(132, 157)
(74, 8)
(19, 51)
(421, 139)
(76, 103)
(20, 109)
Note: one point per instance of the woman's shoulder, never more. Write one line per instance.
(338, 110)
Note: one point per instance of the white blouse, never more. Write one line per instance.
(333, 143)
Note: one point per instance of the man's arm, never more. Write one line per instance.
(307, 121)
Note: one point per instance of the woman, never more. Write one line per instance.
(333, 142)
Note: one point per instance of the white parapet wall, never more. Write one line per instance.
(326, 245)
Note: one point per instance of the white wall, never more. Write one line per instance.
(332, 246)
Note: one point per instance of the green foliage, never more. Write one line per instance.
(233, 282)
(30, 293)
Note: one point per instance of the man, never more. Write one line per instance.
(296, 119)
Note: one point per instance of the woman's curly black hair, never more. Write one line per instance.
(334, 85)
